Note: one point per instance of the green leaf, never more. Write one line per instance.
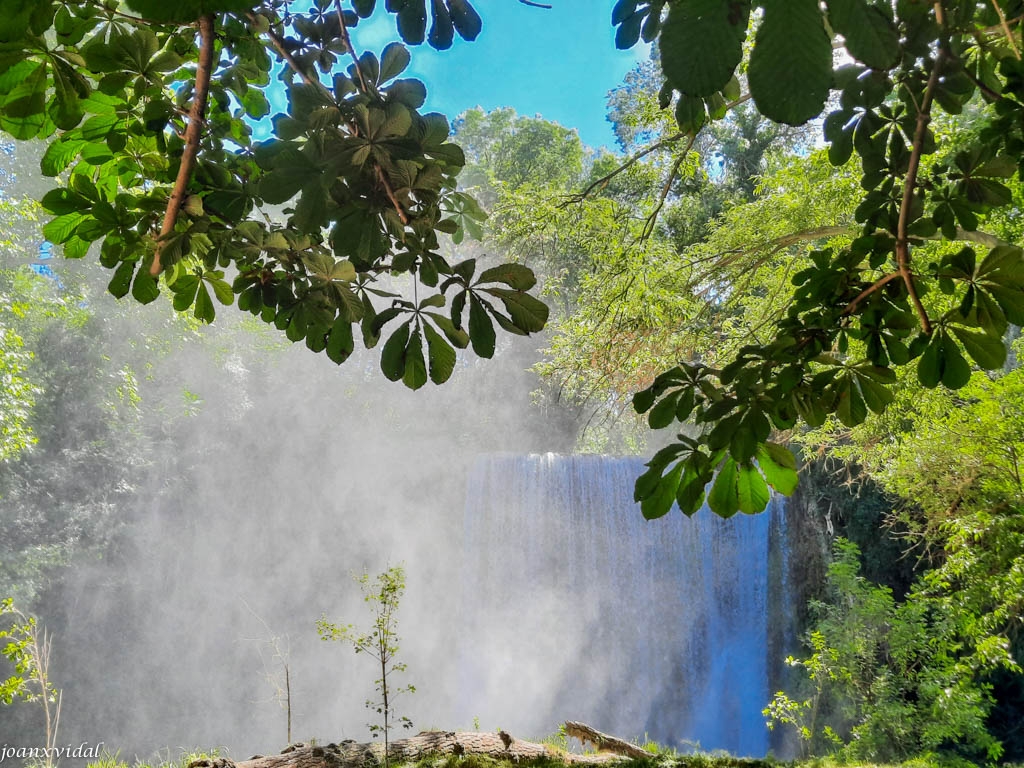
(59, 155)
(942, 362)
(660, 501)
(702, 43)
(145, 288)
(481, 330)
(515, 275)
(465, 19)
(340, 343)
(393, 61)
(691, 492)
(664, 413)
(779, 467)
(528, 313)
(790, 82)
(441, 356)
(186, 11)
(985, 349)
(392, 358)
(751, 490)
(60, 229)
(121, 282)
(870, 35)
(415, 375)
(204, 305)
(724, 498)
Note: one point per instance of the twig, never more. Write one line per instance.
(880, 282)
(909, 183)
(348, 44)
(603, 181)
(381, 176)
(533, 4)
(648, 229)
(1006, 28)
(278, 42)
(204, 71)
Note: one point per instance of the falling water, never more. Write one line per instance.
(574, 601)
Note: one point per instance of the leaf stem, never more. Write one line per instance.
(381, 176)
(204, 71)
(880, 282)
(1006, 28)
(345, 38)
(909, 183)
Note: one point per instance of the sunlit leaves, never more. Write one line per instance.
(870, 34)
(690, 31)
(790, 82)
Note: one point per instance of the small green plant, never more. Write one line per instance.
(28, 648)
(383, 595)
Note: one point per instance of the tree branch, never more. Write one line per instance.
(1006, 28)
(603, 181)
(196, 114)
(381, 176)
(648, 229)
(909, 183)
(880, 282)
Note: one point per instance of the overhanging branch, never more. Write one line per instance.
(193, 132)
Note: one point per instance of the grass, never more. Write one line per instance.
(661, 757)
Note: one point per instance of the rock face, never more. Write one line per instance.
(350, 754)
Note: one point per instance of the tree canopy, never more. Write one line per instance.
(148, 109)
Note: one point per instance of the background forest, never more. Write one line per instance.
(120, 430)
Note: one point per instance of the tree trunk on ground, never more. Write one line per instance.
(349, 754)
(602, 741)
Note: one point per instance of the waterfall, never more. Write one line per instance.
(575, 607)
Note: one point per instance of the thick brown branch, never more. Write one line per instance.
(909, 184)
(193, 132)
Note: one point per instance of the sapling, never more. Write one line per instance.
(28, 647)
(380, 643)
(278, 670)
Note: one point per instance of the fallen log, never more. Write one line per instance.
(602, 741)
(350, 754)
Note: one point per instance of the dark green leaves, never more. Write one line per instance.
(790, 80)
(942, 362)
(692, 30)
(871, 36)
(186, 11)
(447, 18)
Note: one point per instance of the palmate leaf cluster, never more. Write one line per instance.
(857, 312)
(366, 181)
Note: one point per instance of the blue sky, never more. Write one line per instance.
(558, 63)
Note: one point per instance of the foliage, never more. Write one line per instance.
(883, 681)
(383, 595)
(27, 648)
(953, 459)
(175, 192)
(851, 319)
